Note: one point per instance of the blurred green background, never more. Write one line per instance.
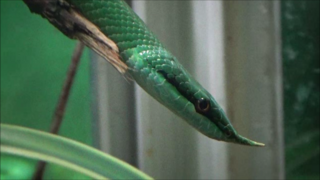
(35, 57)
(300, 50)
(34, 61)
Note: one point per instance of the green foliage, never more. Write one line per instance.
(34, 61)
(65, 152)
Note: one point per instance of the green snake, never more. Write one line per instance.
(138, 52)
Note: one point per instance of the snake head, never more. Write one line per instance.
(200, 109)
(217, 125)
(170, 84)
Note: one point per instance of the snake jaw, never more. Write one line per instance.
(219, 126)
(236, 138)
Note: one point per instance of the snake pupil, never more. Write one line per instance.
(203, 105)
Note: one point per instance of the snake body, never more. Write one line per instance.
(157, 71)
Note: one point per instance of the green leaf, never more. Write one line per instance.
(65, 152)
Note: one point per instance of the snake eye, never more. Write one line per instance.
(203, 105)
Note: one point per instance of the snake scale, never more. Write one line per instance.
(119, 35)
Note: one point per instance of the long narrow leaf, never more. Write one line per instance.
(65, 152)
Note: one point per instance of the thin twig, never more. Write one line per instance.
(63, 99)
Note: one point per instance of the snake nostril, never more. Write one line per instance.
(228, 133)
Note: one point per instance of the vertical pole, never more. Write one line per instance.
(254, 87)
(210, 70)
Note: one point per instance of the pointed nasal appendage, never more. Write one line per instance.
(246, 141)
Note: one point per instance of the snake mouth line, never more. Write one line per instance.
(189, 97)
